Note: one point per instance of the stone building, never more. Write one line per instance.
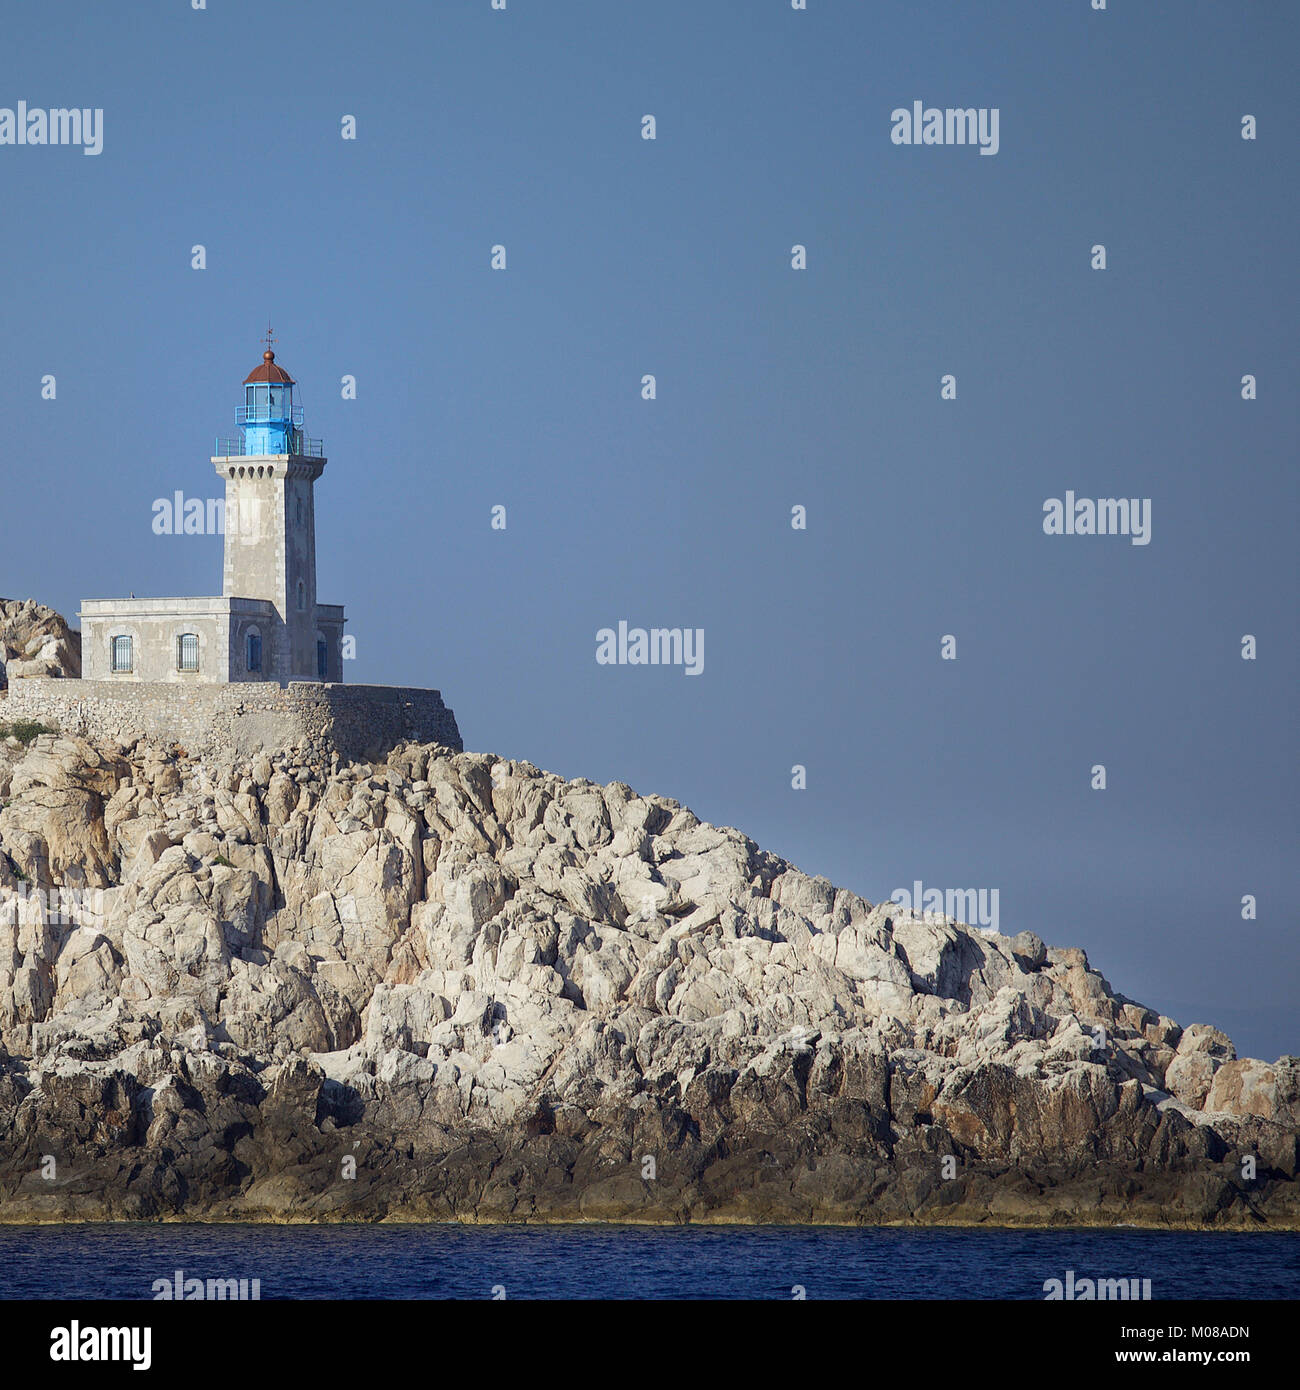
(267, 626)
(259, 667)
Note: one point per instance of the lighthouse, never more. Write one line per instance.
(261, 665)
(270, 473)
(267, 625)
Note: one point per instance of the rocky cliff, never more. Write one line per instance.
(451, 986)
(36, 641)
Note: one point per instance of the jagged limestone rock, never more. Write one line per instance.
(486, 993)
(36, 641)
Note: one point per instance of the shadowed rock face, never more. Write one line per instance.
(36, 641)
(492, 994)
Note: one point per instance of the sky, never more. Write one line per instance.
(522, 388)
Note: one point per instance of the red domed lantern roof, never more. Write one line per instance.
(268, 371)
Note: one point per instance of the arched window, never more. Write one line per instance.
(302, 596)
(123, 654)
(253, 650)
(187, 652)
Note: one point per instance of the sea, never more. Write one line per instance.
(130, 1261)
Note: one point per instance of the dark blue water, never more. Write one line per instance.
(108, 1261)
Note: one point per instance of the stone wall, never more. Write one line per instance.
(359, 722)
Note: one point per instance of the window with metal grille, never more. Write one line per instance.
(123, 655)
(254, 651)
(322, 658)
(187, 652)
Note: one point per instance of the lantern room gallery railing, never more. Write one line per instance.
(302, 445)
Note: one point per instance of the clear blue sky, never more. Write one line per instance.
(776, 388)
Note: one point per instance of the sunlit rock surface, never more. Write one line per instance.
(451, 986)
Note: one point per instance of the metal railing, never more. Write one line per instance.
(267, 415)
(298, 443)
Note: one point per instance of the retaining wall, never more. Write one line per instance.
(359, 722)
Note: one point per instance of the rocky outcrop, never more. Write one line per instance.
(451, 986)
(36, 641)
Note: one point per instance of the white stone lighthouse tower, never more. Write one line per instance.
(266, 626)
(270, 546)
